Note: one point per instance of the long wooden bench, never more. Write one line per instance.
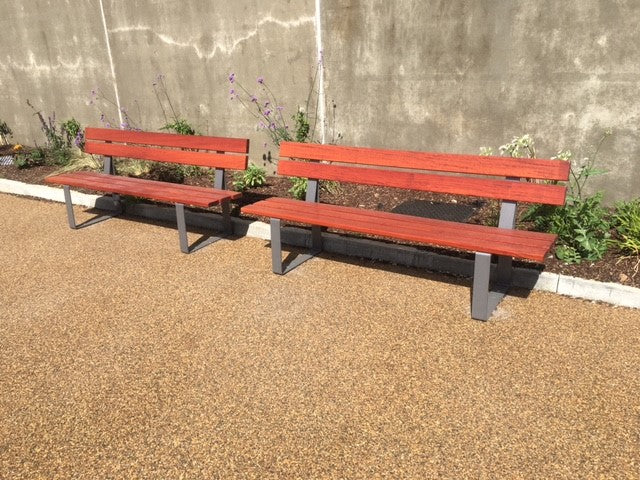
(203, 151)
(470, 175)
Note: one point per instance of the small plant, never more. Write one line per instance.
(173, 123)
(582, 224)
(253, 176)
(34, 158)
(626, 220)
(5, 132)
(298, 187)
(74, 133)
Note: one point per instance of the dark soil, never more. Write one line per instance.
(613, 268)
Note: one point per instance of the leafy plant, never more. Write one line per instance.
(180, 126)
(5, 132)
(298, 187)
(74, 133)
(626, 220)
(33, 158)
(253, 176)
(582, 224)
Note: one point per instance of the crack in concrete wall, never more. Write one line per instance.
(221, 42)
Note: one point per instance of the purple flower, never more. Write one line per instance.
(266, 104)
(267, 112)
(232, 78)
(260, 80)
(124, 125)
(279, 108)
(254, 99)
(261, 125)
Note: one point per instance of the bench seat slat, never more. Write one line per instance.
(442, 162)
(478, 187)
(390, 218)
(201, 142)
(202, 159)
(516, 243)
(160, 191)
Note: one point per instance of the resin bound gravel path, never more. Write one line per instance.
(120, 357)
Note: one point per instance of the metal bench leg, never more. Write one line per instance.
(205, 240)
(483, 300)
(182, 228)
(278, 266)
(67, 200)
(480, 290)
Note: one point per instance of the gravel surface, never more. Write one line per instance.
(120, 357)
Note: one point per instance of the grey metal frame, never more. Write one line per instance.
(109, 169)
(484, 298)
(203, 242)
(278, 266)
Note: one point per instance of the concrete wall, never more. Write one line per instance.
(438, 75)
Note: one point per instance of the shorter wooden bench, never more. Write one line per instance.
(468, 175)
(214, 152)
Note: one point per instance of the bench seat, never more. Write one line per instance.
(514, 243)
(151, 189)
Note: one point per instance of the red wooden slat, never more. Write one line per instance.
(326, 210)
(200, 142)
(478, 187)
(151, 189)
(421, 230)
(202, 159)
(391, 221)
(441, 162)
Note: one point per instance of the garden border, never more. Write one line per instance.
(612, 293)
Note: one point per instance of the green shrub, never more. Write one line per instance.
(179, 125)
(34, 158)
(253, 176)
(626, 220)
(298, 187)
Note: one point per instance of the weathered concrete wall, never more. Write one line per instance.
(446, 75)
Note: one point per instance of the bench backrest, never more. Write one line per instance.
(406, 169)
(203, 151)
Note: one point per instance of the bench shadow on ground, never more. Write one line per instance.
(104, 211)
(291, 253)
(453, 212)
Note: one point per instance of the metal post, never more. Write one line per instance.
(182, 228)
(67, 200)
(276, 247)
(109, 168)
(480, 292)
(313, 191)
(218, 181)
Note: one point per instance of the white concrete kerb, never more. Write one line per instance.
(612, 293)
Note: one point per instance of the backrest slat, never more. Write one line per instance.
(200, 142)
(441, 162)
(202, 159)
(458, 185)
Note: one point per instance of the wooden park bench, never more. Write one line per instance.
(477, 176)
(214, 152)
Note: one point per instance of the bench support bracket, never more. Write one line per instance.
(204, 241)
(92, 221)
(279, 267)
(483, 300)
